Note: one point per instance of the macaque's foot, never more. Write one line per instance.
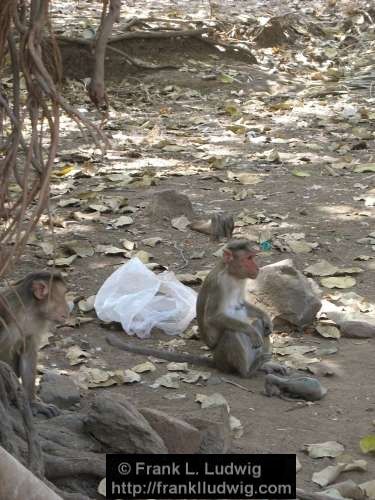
(48, 410)
(271, 367)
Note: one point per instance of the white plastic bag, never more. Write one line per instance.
(140, 300)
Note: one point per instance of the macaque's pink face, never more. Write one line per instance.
(241, 264)
(248, 264)
(51, 300)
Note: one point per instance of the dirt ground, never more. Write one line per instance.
(153, 109)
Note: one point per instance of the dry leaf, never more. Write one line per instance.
(110, 250)
(328, 475)
(369, 488)
(236, 427)
(171, 381)
(294, 349)
(152, 242)
(122, 221)
(366, 167)
(212, 401)
(328, 449)
(328, 331)
(143, 256)
(88, 378)
(331, 473)
(180, 223)
(300, 362)
(193, 376)
(69, 202)
(189, 279)
(81, 248)
(87, 305)
(147, 366)
(130, 377)
(174, 396)
(63, 261)
(102, 488)
(367, 444)
(47, 247)
(128, 245)
(76, 355)
(339, 282)
(321, 268)
(177, 367)
(300, 173)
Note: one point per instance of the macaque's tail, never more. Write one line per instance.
(114, 341)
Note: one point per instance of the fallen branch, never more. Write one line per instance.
(138, 63)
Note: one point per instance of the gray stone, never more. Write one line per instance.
(169, 204)
(286, 293)
(357, 329)
(178, 435)
(115, 422)
(215, 430)
(59, 390)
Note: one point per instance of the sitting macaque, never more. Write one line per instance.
(236, 331)
(26, 311)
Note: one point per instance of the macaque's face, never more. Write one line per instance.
(51, 300)
(241, 264)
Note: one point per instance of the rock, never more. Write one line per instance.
(169, 204)
(357, 329)
(215, 430)
(178, 435)
(116, 423)
(289, 294)
(59, 390)
(67, 431)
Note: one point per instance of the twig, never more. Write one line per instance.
(138, 34)
(231, 382)
(301, 404)
(138, 63)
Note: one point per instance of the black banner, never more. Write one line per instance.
(201, 476)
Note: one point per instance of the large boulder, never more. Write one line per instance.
(215, 430)
(286, 293)
(168, 204)
(59, 390)
(115, 422)
(178, 435)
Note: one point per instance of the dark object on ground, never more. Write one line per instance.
(295, 386)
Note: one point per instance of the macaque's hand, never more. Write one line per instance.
(267, 327)
(48, 410)
(271, 367)
(256, 339)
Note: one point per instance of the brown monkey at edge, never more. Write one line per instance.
(236, 331)
(26, 312)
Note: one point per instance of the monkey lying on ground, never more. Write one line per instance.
(236, 331)
(298, 386)
(26, 311)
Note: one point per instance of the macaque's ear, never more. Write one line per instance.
(227, 255)
(40, 289)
